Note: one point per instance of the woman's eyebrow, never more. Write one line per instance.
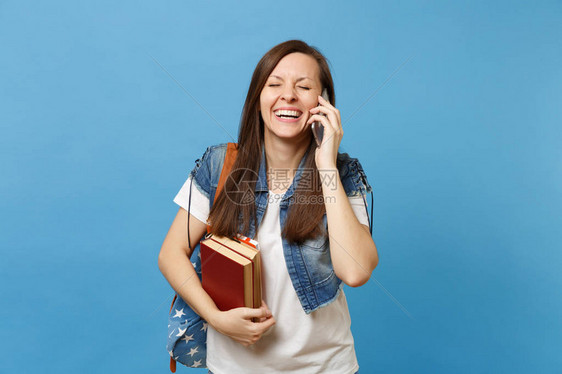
(298, 80)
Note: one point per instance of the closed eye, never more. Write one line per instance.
(304, 88)
(274, 85)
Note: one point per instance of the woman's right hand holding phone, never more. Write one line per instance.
(237, 323)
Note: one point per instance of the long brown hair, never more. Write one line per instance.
(232, 213)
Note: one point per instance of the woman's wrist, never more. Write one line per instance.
(212, 317)
(329, 177)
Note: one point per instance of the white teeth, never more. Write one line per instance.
(290, 113)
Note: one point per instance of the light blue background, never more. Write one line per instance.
(462, 146)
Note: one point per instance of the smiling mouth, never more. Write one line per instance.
(288, 114)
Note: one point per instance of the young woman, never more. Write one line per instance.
(307, 212)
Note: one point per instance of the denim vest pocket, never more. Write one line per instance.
(320, 243)
(317, 260)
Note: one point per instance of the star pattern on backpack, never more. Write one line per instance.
(187, 331)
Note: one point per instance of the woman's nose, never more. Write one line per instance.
(288, 94)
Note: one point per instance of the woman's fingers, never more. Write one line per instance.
(266, 308)
(259, 328)
(329, 110)
(266, 321)
(326, 104)
(329, 129)
(329, 113)
(265, 325)
(237, 324)
(264, 305)
(317, 117)
(261, 312)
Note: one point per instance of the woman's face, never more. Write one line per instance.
(289, 93)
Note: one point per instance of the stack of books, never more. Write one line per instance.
(231, 271)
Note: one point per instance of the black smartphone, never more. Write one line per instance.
(318, 127)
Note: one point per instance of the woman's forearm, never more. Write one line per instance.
(352, 249)
(181, 275)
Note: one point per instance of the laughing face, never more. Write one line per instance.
(291, 90)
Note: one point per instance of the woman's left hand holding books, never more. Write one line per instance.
(237, 323)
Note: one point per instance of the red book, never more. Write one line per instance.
(231, 273)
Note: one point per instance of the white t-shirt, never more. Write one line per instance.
(320, 342)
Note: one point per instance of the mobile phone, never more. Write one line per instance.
(317, 127)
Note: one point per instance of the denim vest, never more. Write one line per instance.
(309, 264)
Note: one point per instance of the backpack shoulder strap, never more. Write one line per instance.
(229, 158)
